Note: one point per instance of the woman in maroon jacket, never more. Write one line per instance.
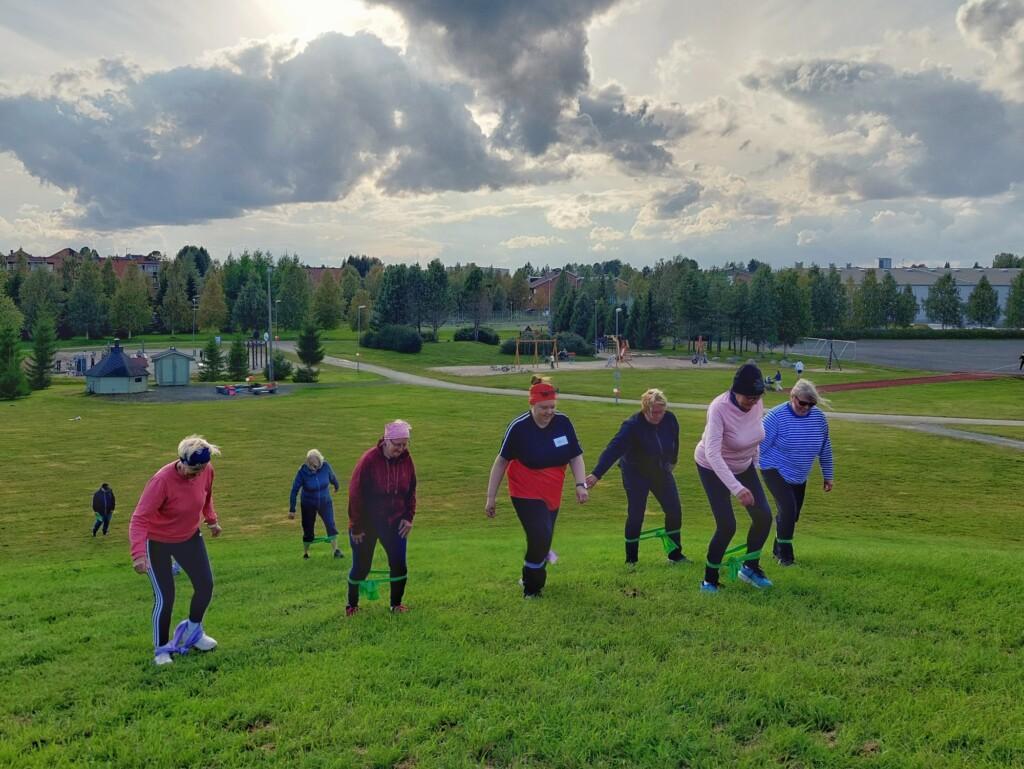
(381, 506)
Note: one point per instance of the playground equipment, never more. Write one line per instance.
(622, 352)
(524, 343)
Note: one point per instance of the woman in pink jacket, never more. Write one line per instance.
(726, 459)
(165, 524)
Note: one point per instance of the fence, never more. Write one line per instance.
(836, 349)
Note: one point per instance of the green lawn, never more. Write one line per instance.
(893, 643)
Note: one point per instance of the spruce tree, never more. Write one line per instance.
(12, 379)
(44, 349)
(310, 352)
(214, 369)
(238, 360)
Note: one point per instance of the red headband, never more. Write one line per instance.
(542, 391)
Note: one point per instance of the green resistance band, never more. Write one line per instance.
(99, 518)
(734, 561)
(324, 539)
(368, 587)
(784, 541)
(663, 535)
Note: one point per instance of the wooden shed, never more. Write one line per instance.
(117, 374)
(171, 367)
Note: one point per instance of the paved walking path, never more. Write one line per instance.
(936, 425)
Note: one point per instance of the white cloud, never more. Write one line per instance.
(531, 241)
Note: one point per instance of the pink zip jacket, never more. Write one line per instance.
(731, 441)
(171, 508)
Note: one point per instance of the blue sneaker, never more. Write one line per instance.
(755, 577)
(709, 587)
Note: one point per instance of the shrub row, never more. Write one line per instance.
(397, 338)
(486, 335)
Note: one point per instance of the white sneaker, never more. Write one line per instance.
(163, 659)
(205, 644)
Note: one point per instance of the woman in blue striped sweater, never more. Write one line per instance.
(795, 433)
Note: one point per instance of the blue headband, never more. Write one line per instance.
(200, 457)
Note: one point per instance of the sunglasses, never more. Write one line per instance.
(805, 404)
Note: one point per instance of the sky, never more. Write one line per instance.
(507, 131)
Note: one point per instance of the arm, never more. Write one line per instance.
(771, 430)
(296, 485)
(405, 525)
(150, 502)
(673, 428)
(334, 479)
(209, 513)
(355, 499)
(613, 451)
(113, 502)
(713, 450)
(825, 459)
(579, 472)
(493, 481)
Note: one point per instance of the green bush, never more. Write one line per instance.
(397, 338)
(486, 335)
(428, 336)
(574, 343)
(282, 367)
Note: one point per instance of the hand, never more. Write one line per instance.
(140, 565)
(215, 529)
(582, 495)
(490, 507)
(592, 480)
(357, 538)
(291, 515)
(828, 486)
(404, 527)
(746, 497)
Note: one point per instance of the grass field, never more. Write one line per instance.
(893, 643)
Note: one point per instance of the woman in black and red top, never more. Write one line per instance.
(381, 506)
(537, 447)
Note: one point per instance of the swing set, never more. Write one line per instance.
(523, 348)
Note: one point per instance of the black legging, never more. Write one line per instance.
(191, 555)
(725, 520)
(789, 500)
(637, 488)
(539, 524)
(395, 546)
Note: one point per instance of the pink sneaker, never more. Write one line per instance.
(350, 610)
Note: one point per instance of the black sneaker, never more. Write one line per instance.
(676, 558)
(338, 554)
(305, 556)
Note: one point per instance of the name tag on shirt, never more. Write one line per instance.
(561, 440)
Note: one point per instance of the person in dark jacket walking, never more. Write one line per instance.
(103, 506)
(647, 449)
(381, 506)
(315, 478)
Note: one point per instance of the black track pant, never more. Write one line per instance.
(725, 520)
(637, 488)
(191, 555)
(539, 524)
(102, 519)
(789, 500)
(378, 528)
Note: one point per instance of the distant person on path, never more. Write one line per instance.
(315, 478)
(381, 506)
(535, 451)
(726, 458)
(165, 524)
(1021, 367)
(798, 367)
(103, 506)
(647, 449)
(795, 434)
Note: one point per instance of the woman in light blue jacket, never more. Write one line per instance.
(315, 479)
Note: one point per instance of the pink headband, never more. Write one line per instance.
(397, 430)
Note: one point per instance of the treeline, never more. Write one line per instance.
(752, 305)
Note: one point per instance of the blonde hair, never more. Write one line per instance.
(193, 443)
(538, 379)
(652, 396)
(314, 459)
(805, 390)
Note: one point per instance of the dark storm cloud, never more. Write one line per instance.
(922, 133)
(192, 144)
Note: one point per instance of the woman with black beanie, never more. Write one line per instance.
(726, 459)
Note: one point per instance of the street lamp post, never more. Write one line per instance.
(277, 316)
(618, 348)
(195, 306)
(270, 327)
(595, 327)
(359, 332)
